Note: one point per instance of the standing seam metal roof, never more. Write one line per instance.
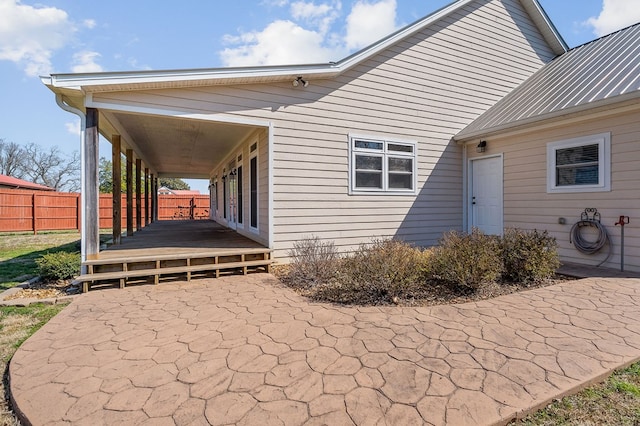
(596, 71)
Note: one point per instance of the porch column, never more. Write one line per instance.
(138, 195)
(153, 199)
(146, 196)
(155, 196)
(129, 192)
(116, 163)
(90, 235)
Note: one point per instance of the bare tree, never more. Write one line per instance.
(52, 168)
(12, 158)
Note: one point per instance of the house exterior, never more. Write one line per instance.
(10, 182)
(564, 141)
(371, 146)
(163, 190)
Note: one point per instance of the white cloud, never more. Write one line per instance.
(615, 14)
(282, 42)
(275, 3)
(73, 127)
(369, 22)
(30, 35)
(320, 16)
(89, 23)
(85, 61)
(311, 36)
(305, 10)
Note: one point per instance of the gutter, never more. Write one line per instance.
(626, 102)
(83, 217)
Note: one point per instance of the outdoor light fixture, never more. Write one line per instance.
(299, 81)
(482, 146)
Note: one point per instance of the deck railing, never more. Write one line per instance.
(56, 211)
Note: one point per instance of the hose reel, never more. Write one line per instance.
(590, 219)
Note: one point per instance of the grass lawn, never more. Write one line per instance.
(614, 402)
(18, 253)
(16, 325)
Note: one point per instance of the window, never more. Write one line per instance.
(382, 166)
(224, 194)
(240, 197)
(253, 187)
(580, 164)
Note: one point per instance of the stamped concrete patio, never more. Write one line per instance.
(243, 350)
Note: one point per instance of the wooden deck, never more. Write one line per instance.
(169, 250)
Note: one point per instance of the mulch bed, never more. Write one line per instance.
(45, 290)
(433, 294)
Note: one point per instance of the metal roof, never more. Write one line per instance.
(602, 71)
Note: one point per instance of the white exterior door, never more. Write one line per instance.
(232, 200)
(486, 195)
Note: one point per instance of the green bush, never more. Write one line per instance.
(528, 256)
(313, 262)
(466, 260)
(377, 273)
(59, 266)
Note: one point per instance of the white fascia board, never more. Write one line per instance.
(86, 81)
(619, 101)
(142, 77)
(548, 29)
(325, 70)
(374, 49)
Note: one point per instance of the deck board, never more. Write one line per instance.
(178, 237)
(168, 248)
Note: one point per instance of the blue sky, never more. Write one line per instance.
(60, 36)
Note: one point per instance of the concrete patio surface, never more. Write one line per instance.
(244, 350)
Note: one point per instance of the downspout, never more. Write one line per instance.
(83, 218)
(465, 189)
(270, 174)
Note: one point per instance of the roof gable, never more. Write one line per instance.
(93, 82)
(601, 71)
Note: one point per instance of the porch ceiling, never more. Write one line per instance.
(179, 147)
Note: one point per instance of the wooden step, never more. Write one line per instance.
(159, 265)
(176, 256)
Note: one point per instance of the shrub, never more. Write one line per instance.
(59, 266)
(466, 260)
(528, 256)
(378, 273)
(312, 262)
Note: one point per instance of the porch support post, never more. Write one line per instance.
(129, 192)
(138, 195)
(155, 196)
(146, 196)
(90, 244)
(116, 162)
(153, 199)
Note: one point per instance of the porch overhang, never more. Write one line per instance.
(169, 143)
(157, 142)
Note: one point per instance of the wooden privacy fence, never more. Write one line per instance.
(57, 211)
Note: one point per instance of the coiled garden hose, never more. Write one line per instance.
(590, 247)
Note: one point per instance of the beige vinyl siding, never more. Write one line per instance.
(424, 89)
(527, 204)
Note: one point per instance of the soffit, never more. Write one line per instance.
(178, 147)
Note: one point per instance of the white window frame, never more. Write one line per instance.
(603, 140)
(385, 154)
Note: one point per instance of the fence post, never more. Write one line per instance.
(34, 212)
